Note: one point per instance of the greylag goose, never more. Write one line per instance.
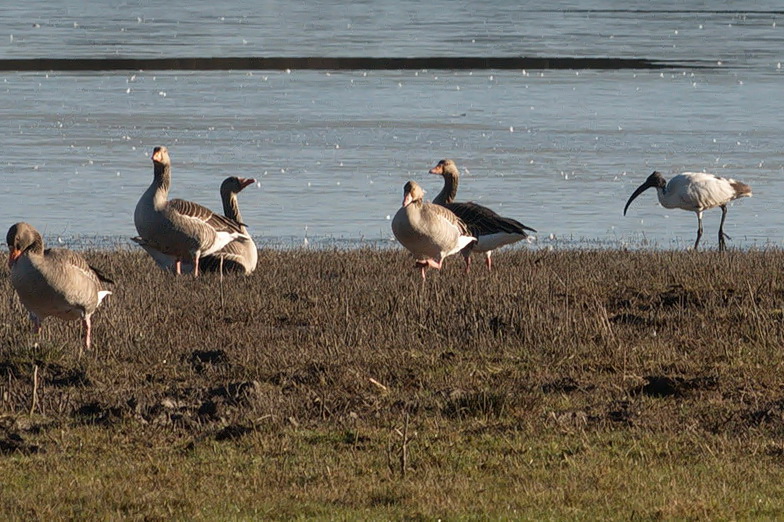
(54, 281)
(178, 228)
(695, 191)
(430, 232)
(492, 231)
(240, 255)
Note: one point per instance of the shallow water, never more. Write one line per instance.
(560, 150)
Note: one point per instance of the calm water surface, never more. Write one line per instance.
(559, 150)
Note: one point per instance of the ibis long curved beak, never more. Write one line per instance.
(642, 188)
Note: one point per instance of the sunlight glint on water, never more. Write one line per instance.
(559, 150)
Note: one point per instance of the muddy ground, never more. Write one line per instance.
(354, 342)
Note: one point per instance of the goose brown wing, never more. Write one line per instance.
(61, 255)
(450, 216)
(195, 211)
(484, 221)
(101, 275)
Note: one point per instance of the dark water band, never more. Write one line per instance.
(336, 63)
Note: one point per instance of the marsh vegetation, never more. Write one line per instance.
(589, 384)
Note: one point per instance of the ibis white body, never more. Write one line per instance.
(695, 192)
(698, 191)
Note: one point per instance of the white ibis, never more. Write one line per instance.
(696, 192)
(430, 232)
(490, 229)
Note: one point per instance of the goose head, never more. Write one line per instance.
(234, 185)
(21, 237)
(446, 168)
(160, 156)
(412, 192)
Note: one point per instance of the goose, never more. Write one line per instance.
(492, 231)
(696, 192)
(181, 229)
(240, 255)
(430, 232)
(53, 281)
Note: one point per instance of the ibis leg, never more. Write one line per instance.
(722, 235)
(699, 229)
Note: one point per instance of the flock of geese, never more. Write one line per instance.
(185, 237)
(433, 231)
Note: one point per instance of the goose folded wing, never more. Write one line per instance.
(484, 221)
(72, 259)
(450, 217)
(189, 209)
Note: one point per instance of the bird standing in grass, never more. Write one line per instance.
(696, 192)
(430, 232)
(239, 256)
(178, 228)
(490, 229)
(53, 281)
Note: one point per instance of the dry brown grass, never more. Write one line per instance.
(564, 384)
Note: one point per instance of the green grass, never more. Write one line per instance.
(588, 385)
(487, 471)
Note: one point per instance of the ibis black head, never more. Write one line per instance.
(655, 180)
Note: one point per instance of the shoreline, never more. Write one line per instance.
(325, 243)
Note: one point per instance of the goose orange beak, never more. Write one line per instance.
(244, 182)
(13, 255)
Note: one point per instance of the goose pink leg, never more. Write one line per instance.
(87, 325)
(423, 264)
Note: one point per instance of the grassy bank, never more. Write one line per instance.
(336, 384)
